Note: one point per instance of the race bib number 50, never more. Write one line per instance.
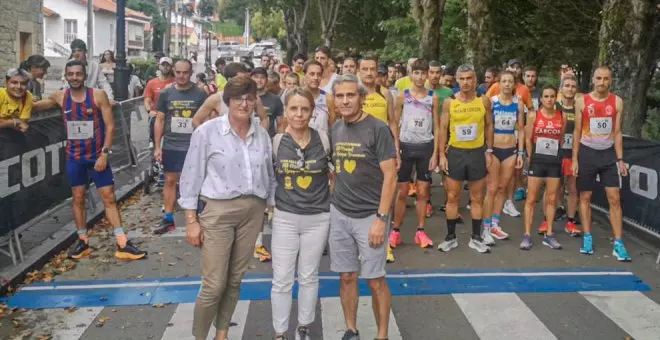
(182, 125)
(600, 126)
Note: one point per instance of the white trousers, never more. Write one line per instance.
(300, 238)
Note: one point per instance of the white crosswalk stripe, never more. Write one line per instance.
(491, 316)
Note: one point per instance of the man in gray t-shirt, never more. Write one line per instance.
(271, 102)
(365, 164)
(177, 105)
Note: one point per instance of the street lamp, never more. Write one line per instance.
(121, 71)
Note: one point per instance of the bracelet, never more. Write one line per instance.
(619, 159)
(489, 150)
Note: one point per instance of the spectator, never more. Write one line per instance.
(153, 70)
(201, 83)
(94, 77)
(108, 65)
(273, 84)
(135, 85)
(15, 100)
(152, 91)
(37, 66)
(220, 80)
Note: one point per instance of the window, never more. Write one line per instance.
(70, 30)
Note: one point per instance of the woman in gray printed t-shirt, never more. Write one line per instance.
(301, 219)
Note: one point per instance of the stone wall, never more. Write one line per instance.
(16, 17)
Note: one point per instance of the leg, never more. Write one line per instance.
(453, 188)
(285, 243)
(348, 293)
(381, 304)
(552, 187)
(312, 242)
(245, 236)
(423, 191)
(572, 197)
(344, 260)
(506, 172)
(585, 210)
(400, 205)
(616, 216)
(169, 191)
(533, 187)
(79, 210)
(492, 182)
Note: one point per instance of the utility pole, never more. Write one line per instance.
(168, 30)
(177, 29)
(246, 31)
(90, 28)
(121, 71)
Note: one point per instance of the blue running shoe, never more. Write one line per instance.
(550, 241)
(620, 252)
(520, 194)
(587, 245)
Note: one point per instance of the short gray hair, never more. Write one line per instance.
(273, 76)
(349, 78)
(465, 68)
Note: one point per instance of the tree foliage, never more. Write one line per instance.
(158, 22)
(268, 24)
(207, 8)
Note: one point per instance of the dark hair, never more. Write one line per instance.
(530, 69)
(220, 62)
(299, 56)
(237, 87)
(549, 87)
(369, 57)
(299, 91)
(201, 76)
(494, 70)
(75, 62)
(323, 49)
(420, 65)
(78, 44)
(434, 63)
(505, 72)
(449, 71)
(37, 61)
(112, 56)
(232, 69)
(190, 65)
(293, 75)
(402, 69)
(310, 63)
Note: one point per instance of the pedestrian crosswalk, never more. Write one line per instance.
(490, 316)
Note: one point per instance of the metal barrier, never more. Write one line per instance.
(33, 180)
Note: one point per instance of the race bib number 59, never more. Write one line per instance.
(466, 132)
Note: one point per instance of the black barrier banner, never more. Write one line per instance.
(32, 171)
(639, 191)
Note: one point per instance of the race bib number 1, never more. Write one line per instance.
(600, 126)
(547, 146)
(182, 125)
(466, 132)
(80, 129)
(568, 141)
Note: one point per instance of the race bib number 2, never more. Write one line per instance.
(466, 132)
(600, 126)
(80, 129)
(547, 146)
(182, 125)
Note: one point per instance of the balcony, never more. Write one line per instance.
(135, 44)
(69, 37)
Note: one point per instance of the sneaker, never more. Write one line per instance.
(550, 241)
(80, 249)
(468, 206)
(429, 209)
(395, 238)
(280, 337)
(261, 253)
(526, 243)
(442, 208)
(560, 214)
(498, 233)
(510, 209)
(302, 333)
(422, 239)
(390, 255)
(572, 229)
(587, 245)
(479, 245)
(488, 239)
(164, 227)
(130, 252)
(448, 245)
(619, 251)
(350, 335)
(543, 228)
(520, 194)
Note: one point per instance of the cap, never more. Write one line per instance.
(513, 62)
(159, 54)
(165, 60)
(382, 69)
(259, 70)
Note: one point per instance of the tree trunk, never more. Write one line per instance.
(429, 15)
(295, 20)
(628, 42)
(329, 11)
(477, 51)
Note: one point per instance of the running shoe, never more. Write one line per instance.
(510, 209)
(488, 239)
(302, 333)
(572, 229)
(587, 245)
(80, 249)
(422, 239)
(261, 253)
(448, 244)
(520, 194)
(526, 243)
(165, 226)
(429, 209)
(560, 214)
(543, 228)
(130, 252)
(619, 251)
(350, 335)
(550, 241)
(279, 337)
(390, 255)
(498, 233)
(479, 245)
(395, 238)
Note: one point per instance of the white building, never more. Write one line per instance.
(66, 20)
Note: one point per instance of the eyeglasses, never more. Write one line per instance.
(248, 100)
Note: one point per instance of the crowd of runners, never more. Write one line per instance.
(331, 151)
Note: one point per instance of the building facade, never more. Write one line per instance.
(20, 32)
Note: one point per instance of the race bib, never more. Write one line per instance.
(182, 125)
(466, 132)
(417, 124)
(568, 141)
(547, 146)
(80, 129)
(504, 122)
(600, 126)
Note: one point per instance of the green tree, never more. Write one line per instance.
(207, 8)
(158, 23)
(268, 25)
(402, 39)
(429, 15)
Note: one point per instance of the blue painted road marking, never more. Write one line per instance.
(96, 293)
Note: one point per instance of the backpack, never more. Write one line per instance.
(324, 140)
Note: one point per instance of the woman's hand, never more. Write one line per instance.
(194, 234)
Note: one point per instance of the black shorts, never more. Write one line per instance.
(466, 164)
(418, 157)
(594, 164)
(173, 160)
(544, 170)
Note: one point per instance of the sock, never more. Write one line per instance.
(420, 228)
(259, 240)
(487, 223)
(396, 229)
(618, 241)
(451, 228)
(121, 237)
(476, 228)
(169, 217)
(496, 220)
(571, 219)
(82, 234)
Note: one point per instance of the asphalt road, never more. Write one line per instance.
(507, 294)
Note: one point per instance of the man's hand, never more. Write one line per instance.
(153, 113)
(623, 170)
(194, 234)
(433, 163)
(377, 233)
(576, 167)
(158, 155)
(444, 164)
(22, 126)
(113, 102)
(101, 163)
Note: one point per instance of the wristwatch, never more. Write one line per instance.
(105, 150)
(382, 217)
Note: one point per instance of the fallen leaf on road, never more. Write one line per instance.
(101, 321)
(71, 310)
(44, 337)
(16, 323)
(158, 305)
(172, 264)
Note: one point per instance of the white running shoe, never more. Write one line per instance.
(510, 209)
(488, 239)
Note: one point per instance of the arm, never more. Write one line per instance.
(444, 127)
(531, 117)
(388, 167)
(261, 112)
(159, 125)
(436, 126)
(521, 127)
(577, 131)
(398, 111)
(106, 110)
(490, 131)
(205, 111)
(102, 83)
(192, 179)
(149, 99)
(272, 180)
(390, 116)
(618, 137)
(332, 116)
(48, 103)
